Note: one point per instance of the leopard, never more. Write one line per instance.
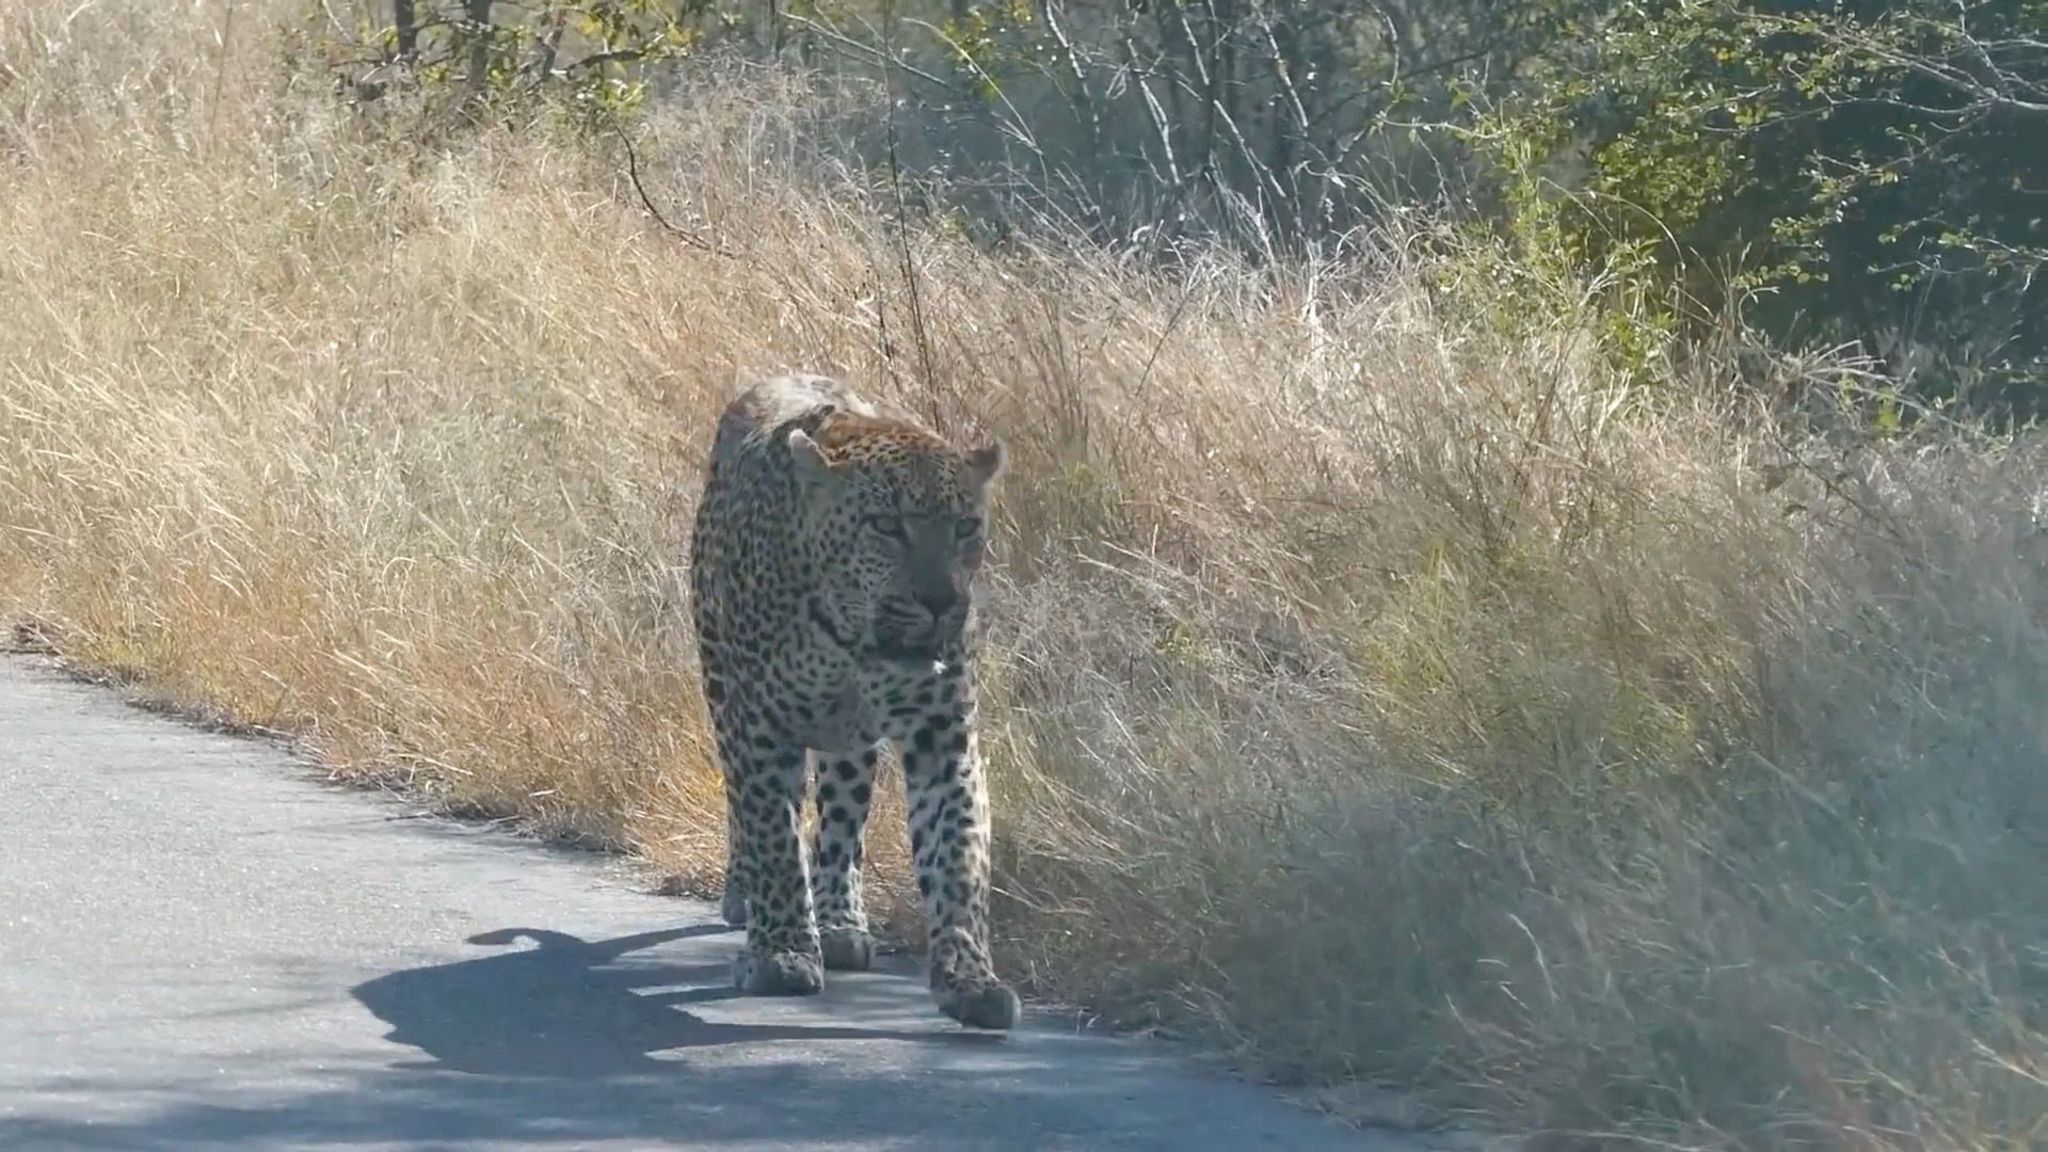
(837, 563)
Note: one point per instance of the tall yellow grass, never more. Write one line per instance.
(1377, 694)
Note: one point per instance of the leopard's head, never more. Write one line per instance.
(901, 516)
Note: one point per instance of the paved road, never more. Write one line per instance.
(204, 947)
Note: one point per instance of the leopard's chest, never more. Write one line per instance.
(854, 706)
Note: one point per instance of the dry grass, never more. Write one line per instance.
(1381, 696)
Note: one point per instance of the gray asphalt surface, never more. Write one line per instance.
(202, 946)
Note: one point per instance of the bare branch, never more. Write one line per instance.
(647, 202)
(866, 51)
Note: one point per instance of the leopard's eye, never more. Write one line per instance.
(967, 528)
(890, 526)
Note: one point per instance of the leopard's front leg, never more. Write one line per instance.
(949, 839)
(764, 786)
(846, 784)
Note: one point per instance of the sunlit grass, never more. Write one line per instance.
(1376, 695)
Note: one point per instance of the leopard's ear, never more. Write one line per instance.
(810, 459)
(985, 460)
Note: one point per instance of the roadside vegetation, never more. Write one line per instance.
(1508, 619)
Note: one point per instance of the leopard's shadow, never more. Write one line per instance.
(567, 1008)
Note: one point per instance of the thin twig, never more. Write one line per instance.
(917, 323)
(220, 69)
(884, 57)
(1019, 128)
(1173, 319)
(647, 202)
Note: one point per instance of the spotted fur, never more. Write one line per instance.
(833, 589)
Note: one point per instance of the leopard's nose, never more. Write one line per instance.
(938, 602)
